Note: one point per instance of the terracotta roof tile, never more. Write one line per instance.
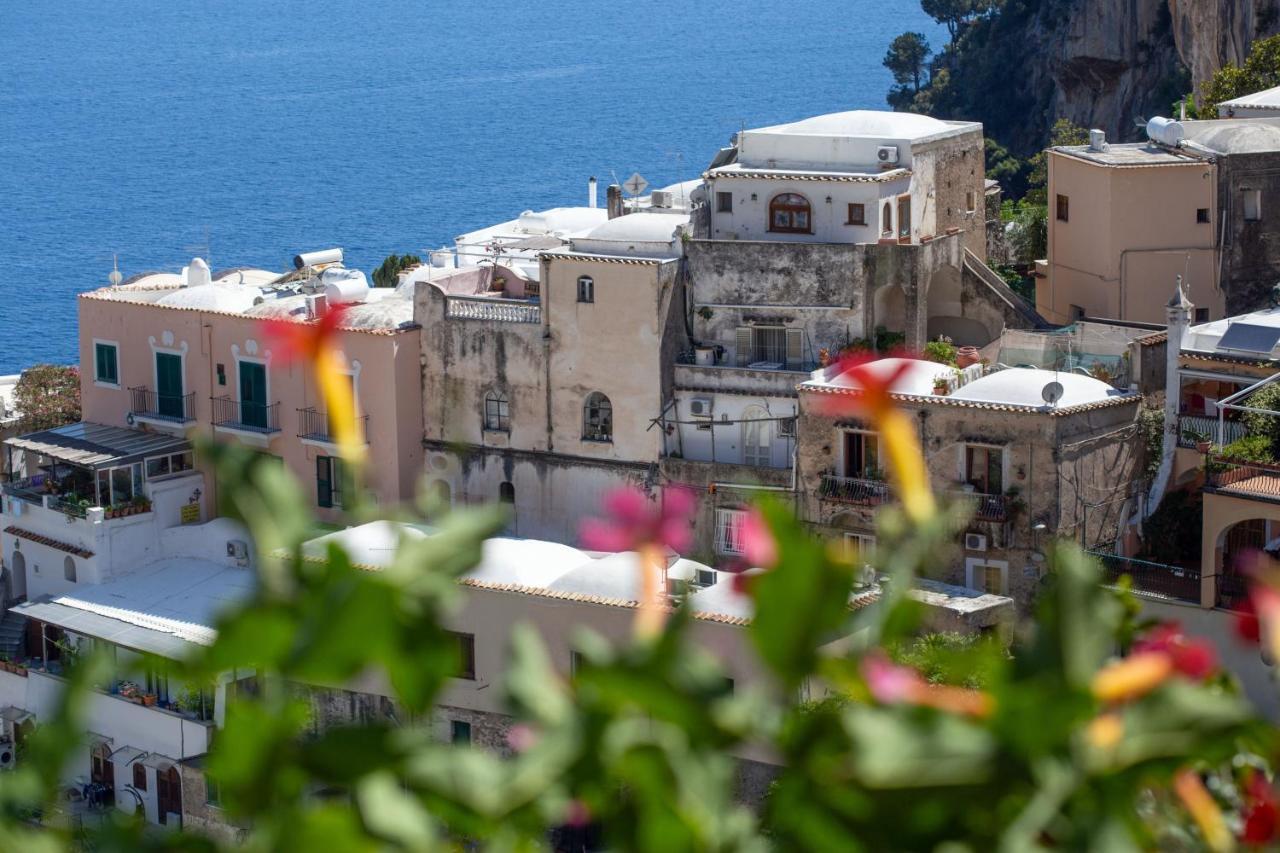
(14, 530)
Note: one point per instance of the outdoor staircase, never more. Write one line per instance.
(13, 630)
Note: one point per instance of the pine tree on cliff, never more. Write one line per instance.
(907, 59)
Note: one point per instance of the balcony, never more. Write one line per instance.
(1244, 479)
(256, 422)
(492, 309)
(853, 490)
(773, 379)
(993, 508)
(1155, 579)
(1191, 425)
(315, 427)
(151, 407)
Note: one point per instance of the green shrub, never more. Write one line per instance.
(941, 351)
(1172, 533)
(1251, 448)
(1261, 423)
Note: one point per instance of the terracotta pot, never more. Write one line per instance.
(149, 699)
(966, 356)
(1203, 446)
(940, 390)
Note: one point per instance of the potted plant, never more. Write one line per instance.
(1200, 439)
(149, 699)
(129, 690)
(940, 386)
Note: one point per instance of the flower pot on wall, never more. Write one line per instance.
(1203, 446)
(966, 356)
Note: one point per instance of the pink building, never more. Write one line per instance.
(187, 355)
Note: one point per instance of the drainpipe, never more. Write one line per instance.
(1178, 313)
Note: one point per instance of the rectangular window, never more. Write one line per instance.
(1202, 215)
(586, 289)
(328, 481)
(729, 530)
(970, 201)
(1202, 315)
(576, 662)
(762, 345)
(862, 456)
(460, 732)
(466, 655)
(858, 546)
(984, 469)
(212, 791)
(1064, 208)
(1076, 312)
(724, 202)
(497, 413)
(987, 576)
(1252, 205)
(857, 214)
(904, 217)
(787, 428)
(105, 367)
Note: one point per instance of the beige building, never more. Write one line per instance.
(1027, 470)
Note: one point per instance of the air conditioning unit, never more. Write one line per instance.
(700, 407)
(887, 154)
(704, 577)
(8, 755)
(975, 542)
(661, 198)
(238, 550)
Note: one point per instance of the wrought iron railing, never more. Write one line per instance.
(246, 415)
(986, 507)
(317, 426)
(71, 507)
(169, 407)
(1244, 478)
(1192, 425)
(854, 490)
(1180, 582)
(484, 308)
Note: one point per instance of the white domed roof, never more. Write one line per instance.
(528, 562)
(213, 297)
(878, 123)
(1024, 386)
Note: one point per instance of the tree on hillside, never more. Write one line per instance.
(1261, 70)
(955, 15)
(387, 274)
(907, 59)
(48, 395)
(1064, 132)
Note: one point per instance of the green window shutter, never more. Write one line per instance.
(105, 362)
(339, 484)
(795, 348)
(742, 344)
(324, 481)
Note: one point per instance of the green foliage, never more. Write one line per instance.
(955, 14)
(1151, 430)
(1063, 132)
(907, 60)
(941, 351)
(1009, 171)
(1262, 423)
(887, 341)
(1261, 70)
(1172, 533)
(48, 395)
(643, 736)
(386, 274)
(1251, 448)
(1028, 231)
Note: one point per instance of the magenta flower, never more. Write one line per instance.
(889, 682)
(758, 545)
(635, 523)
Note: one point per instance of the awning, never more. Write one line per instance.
(96, 446)
(126, 755)
(95, 740)
(14, 714)
(156, 761)
(101, 627)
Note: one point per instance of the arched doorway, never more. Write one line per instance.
(1241, 542)
(756, 448)
(168, 794)
(946, 311)
(102, 772)
(890, 303)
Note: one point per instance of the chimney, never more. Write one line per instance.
(1097, 140)
(591, 191)
(613, 200)
(1178, 314)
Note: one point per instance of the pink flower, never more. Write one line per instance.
(888, 682)
(577, 814)
(1193, 658)
(521, 737)
(634, 522)
(758, 545)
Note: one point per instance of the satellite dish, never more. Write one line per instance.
(1051, 393)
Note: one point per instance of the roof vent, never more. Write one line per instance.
(197, 273)
(1098, 140)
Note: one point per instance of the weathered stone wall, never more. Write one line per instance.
(699, 476)
(949, 178)
(198, 814)
(1251, 248)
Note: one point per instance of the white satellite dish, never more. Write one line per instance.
(635, 184)
(1052, 393)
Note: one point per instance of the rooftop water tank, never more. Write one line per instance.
(1166, 131)
(343, 286)
(315, 259)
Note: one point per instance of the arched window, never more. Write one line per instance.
(789, 213)
(496, 414)
(597, 418)
(756, 449)
(507, 492)
(586, 289)
(442, 493)
(69, 569)
(140, 776)
(886, 220)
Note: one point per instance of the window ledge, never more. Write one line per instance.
(597, 440)
(114, 386)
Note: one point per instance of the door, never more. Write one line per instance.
(169, 385)
(755, 437)
(253, 394)
(904, 219)
(168, 794)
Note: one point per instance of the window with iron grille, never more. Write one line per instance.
(496, 414)
(724, 202)
(597, 418)
(586, 289)
(729, 530)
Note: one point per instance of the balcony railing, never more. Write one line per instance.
(501, 310)
(316, 425)
(986, 507)
(854, 490)
(1243, 478)
(165, 407)
(246, 415)
(28, 489)
(1180, 582)
(1204, 425)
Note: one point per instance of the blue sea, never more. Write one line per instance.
(247, 130)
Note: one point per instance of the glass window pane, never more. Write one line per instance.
(158, 467)
(121, 485)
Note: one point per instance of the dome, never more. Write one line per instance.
(213, 297)
(527, 562)
(875, 123)
(1024, 386)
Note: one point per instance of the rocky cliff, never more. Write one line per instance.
(1100, 63)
